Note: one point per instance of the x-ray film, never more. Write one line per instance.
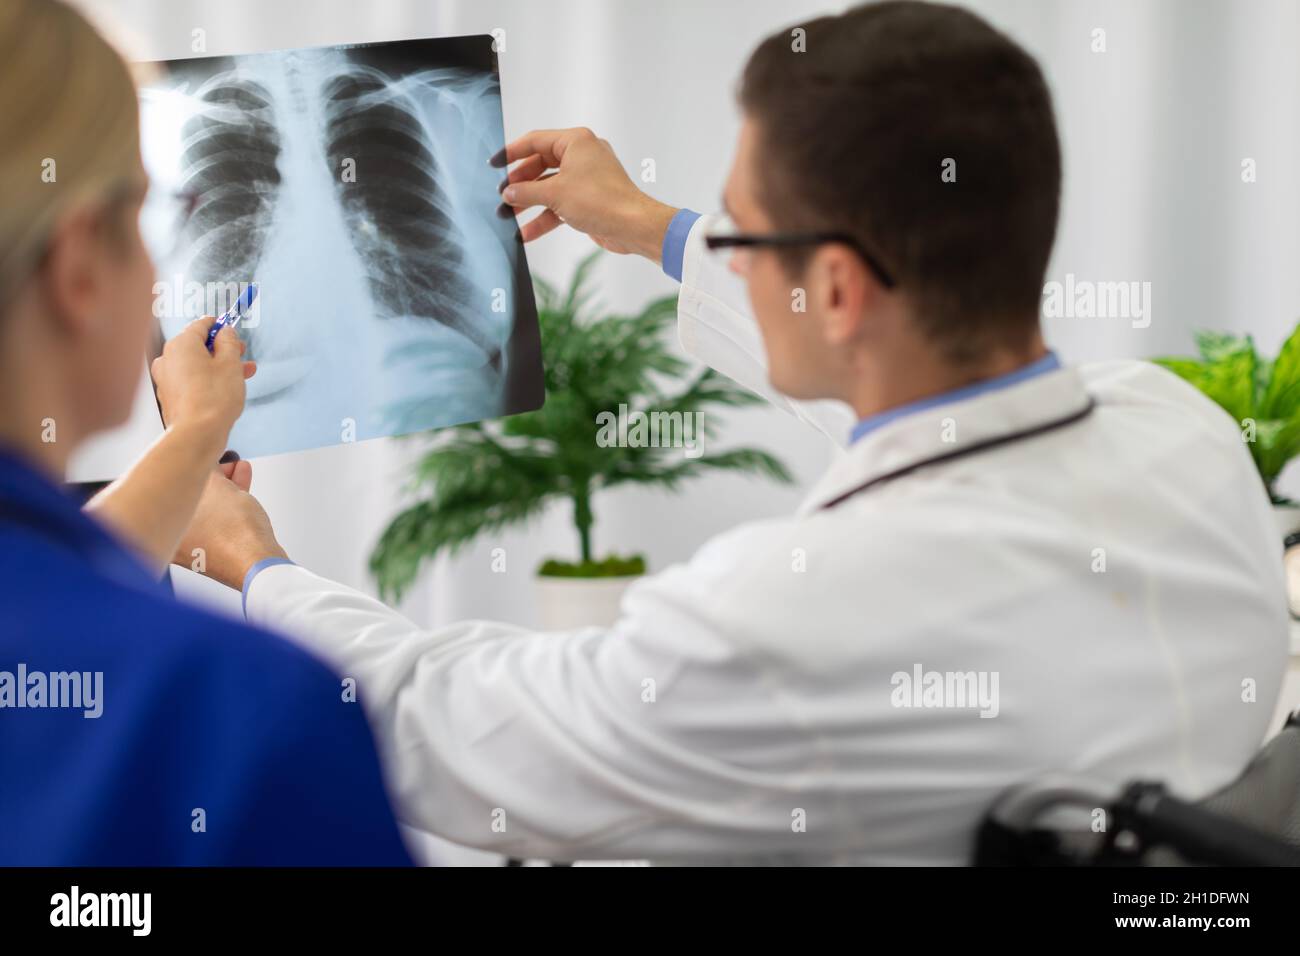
(352, 185)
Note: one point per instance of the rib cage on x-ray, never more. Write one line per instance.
(397, 202)
(360, 201)
(231, 150)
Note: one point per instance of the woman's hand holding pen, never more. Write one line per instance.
(202, 392)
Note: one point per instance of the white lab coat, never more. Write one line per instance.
(1120, 575)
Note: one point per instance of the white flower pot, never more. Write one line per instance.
(568, 603)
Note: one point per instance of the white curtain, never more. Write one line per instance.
(1155, 130)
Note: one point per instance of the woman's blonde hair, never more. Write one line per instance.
(69, 126)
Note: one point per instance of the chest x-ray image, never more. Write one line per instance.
(352, 186)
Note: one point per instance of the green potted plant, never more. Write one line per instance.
(1262, 396)
(608, 379)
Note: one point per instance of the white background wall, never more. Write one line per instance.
(1154, 132)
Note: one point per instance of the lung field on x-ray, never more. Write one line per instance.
(401, 220)
(352, 185)
(230, 155)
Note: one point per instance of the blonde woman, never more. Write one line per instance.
(136, 731)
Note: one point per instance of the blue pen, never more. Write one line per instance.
(233, 314)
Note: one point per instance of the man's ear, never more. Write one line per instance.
(72, 272)
(844, 290)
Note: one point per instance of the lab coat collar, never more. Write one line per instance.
(943, 429)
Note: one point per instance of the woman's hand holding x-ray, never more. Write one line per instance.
(201, 394)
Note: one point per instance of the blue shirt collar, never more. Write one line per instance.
(1048, 363)
(36, 504)
(21, 484)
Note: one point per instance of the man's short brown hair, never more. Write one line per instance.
(857, 128)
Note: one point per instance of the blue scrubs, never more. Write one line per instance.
(214, 743)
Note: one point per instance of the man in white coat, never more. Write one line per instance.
(1016, 568)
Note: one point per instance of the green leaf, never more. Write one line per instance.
(578, 287)
(1276, 442)
(482, 476)
(428, 528)
(1263, 375)
(1261, 395)
(671, 473)
(1282, 395)
(1215, 345)
(1229, 379)
(548, 299)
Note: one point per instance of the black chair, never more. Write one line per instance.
(1254, 821)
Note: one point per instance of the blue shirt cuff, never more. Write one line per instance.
(674, 250)
(254, 571)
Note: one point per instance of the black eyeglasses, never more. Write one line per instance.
(751, 240)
